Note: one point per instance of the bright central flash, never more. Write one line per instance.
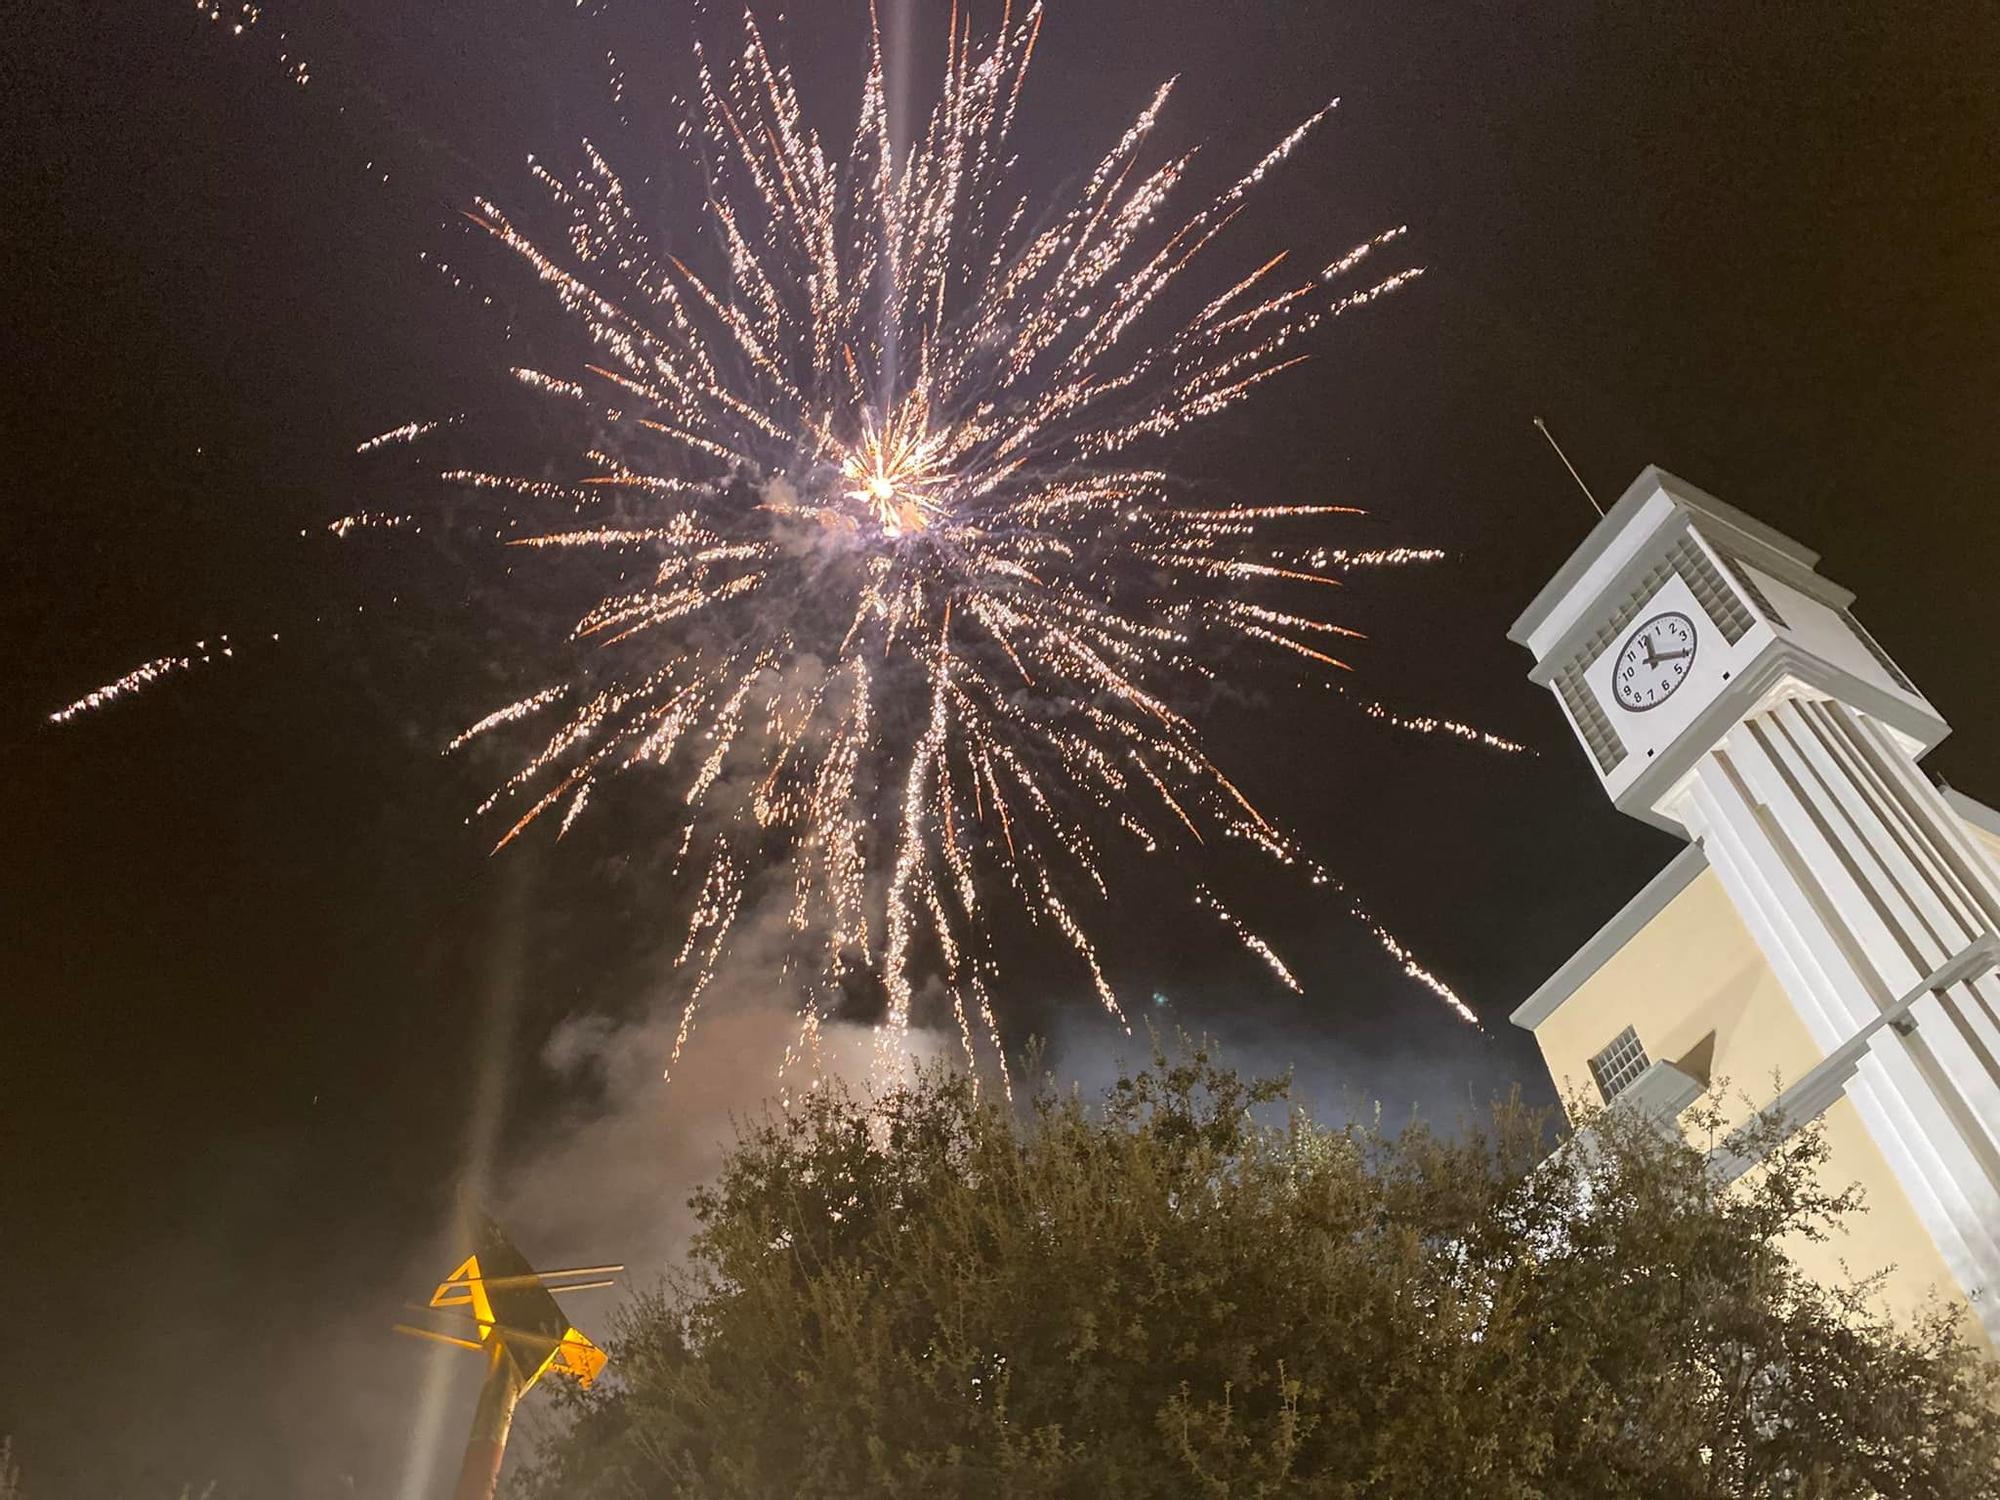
(898, 470)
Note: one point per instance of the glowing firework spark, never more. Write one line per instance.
(916, 609)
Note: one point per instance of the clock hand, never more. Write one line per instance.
(1669, 656)
(1647, 642)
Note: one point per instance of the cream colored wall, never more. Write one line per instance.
(1695, 987)
(1693, 971)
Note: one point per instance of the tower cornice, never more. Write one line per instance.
(1656, 507)
(1776, 668)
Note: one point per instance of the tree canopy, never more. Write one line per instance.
(1185, 1289)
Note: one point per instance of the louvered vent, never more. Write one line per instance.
(1598, 736)
(1875, 650)
(1747, 581)
(1724, 605)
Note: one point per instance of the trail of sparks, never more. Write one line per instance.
(142, 677)
(896, 581)
(239, 18)
(513, 713)
(409, 432)
(364, 520)
(1431, 724)
(1395, 949)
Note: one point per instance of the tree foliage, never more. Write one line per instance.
(1186, 1291)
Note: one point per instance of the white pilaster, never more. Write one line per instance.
(1857, 880)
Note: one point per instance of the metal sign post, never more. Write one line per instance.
(486, 1448)
(512, 1312)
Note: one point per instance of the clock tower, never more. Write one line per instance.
(1723, 690)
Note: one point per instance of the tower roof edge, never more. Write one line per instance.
(1718, 518)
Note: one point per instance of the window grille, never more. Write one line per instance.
(1619, 1065)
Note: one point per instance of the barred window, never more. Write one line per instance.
(1619, 1065)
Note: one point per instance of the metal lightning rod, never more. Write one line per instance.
(1570, 466)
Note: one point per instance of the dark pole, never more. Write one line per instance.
(484, 1450)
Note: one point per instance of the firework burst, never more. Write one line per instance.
(906, 600)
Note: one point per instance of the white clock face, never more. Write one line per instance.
(1655, 662)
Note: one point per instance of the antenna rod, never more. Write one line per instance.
(1570, 466)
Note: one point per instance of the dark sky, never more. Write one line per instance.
(259, 979)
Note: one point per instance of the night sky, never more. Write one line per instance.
(262, 985)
